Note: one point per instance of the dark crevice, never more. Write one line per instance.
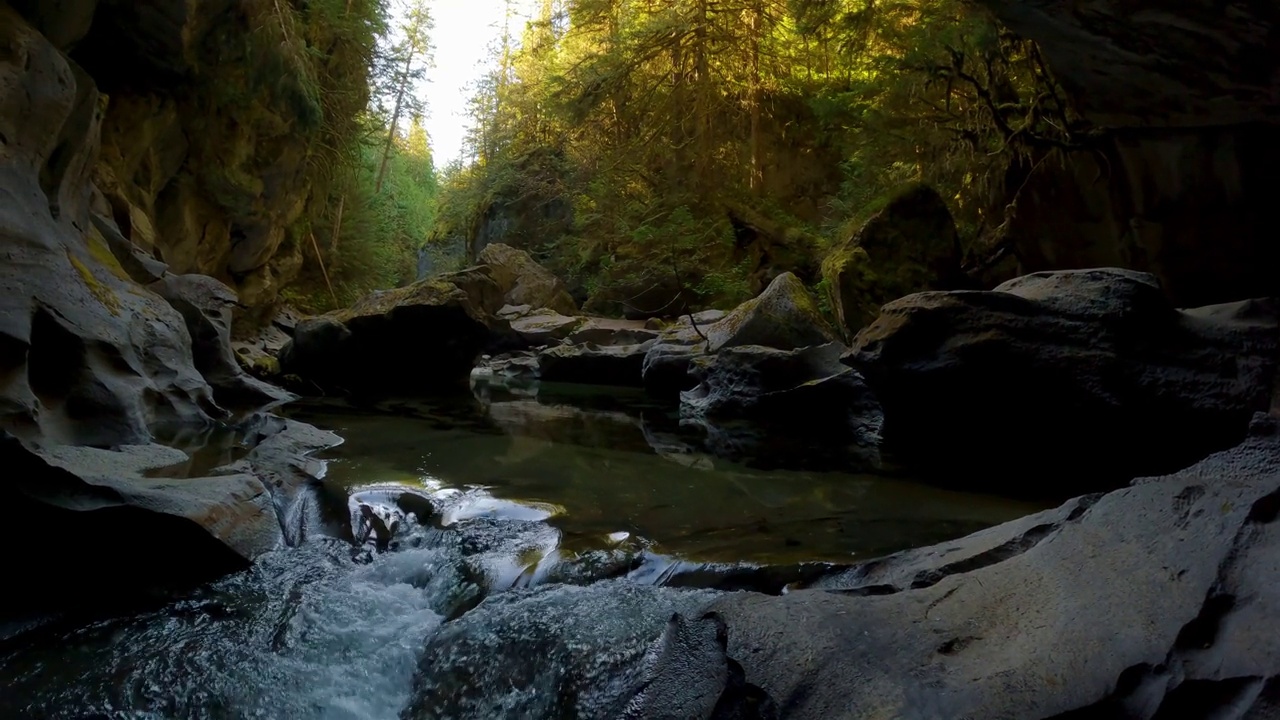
(1202, 631)
(865, 590)
(1083, 505)
(1010, 549)
(1265, 509)
(1207, 699)
(57, 358)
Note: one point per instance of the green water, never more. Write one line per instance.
(605, 462)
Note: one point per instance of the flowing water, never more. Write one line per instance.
(490, 557)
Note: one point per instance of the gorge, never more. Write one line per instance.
(895, 479)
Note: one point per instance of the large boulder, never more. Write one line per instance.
(785, 317)
(1148, 602)
(525, 282)
(909, 246)
(792, 401)
(1084, 376)
(421, 337)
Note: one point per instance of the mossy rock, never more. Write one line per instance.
(909, 246)
(785, 316)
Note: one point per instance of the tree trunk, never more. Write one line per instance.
(756, 182)
(403, 86)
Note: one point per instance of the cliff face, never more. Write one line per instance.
(204, 146)
(1180, 182)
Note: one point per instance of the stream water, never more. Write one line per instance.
(484, 554)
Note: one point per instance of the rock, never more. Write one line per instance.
(608, 331)
(511, 312)
(1194, 209)
(524, 282)
(804, 393)
(516, 373)
(704, 683)
(909, 246)
(618, 365)
(86, 355)
(1161, 64)
(1061, 377)
(1142, 603)
(140, 267)
(206, 305)
(544, 329)
(421, 337)
(550, 652)
(785, 317)
(69, 532)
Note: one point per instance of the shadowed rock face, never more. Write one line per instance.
(1069, 377)
(1155, 63)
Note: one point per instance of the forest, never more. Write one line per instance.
(696, 146)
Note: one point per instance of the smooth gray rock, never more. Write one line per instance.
(1149, 602)
(544, 329)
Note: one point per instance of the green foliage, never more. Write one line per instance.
(651, 117)
(379, 233)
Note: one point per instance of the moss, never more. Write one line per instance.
(265, 366)
(102, 293)
(102, 253)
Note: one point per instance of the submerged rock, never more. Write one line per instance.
(1138, 604)
(424, 336)
(1068, 381)
(524, 282)
(909, 246)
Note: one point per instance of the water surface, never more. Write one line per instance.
(490, 551)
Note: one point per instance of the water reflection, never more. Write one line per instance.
(611, 461)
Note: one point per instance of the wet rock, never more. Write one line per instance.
(282, 458)
(421, 337)
(1140, 603)
(86, 355)
(524, 282)
(508, 371)
(1068, 381)
(688, 675)
(618, 365)
(785, 316)
(258, 351)
(784, 393)
(206, 305)
(558, 651)
(545, 328)
(909, 246)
